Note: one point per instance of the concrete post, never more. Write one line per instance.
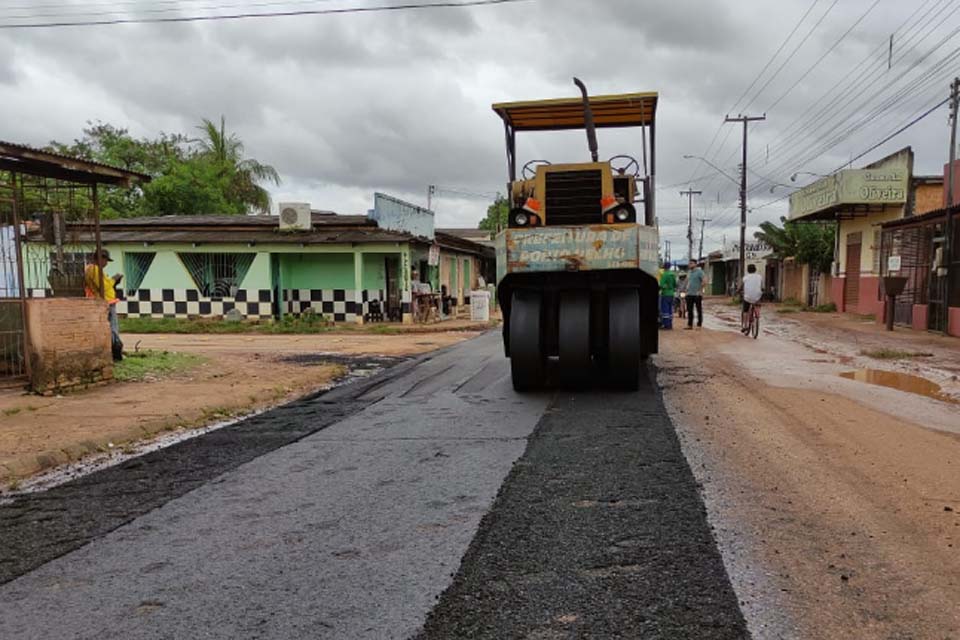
(358, 284)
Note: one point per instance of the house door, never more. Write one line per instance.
(851, 285)
(392, 271)
(936, 318)
(813, 286)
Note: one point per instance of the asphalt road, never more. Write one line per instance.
(350, 516)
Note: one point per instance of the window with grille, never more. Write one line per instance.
(135, 267)
(217, 275)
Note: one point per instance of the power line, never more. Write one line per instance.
(873, 147)
(911, 89)
(825, 54)
(853, 92)
(799, 126)
(140, 10)
(272, 14)
(751, 85)
(792, 54)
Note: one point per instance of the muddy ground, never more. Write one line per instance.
(836, 502)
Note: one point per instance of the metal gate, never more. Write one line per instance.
(13, 364)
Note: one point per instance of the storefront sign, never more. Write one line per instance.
(753, 250)
(433, 257)
(880, 186)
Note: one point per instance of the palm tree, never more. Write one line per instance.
(244, 175)
(782, 240)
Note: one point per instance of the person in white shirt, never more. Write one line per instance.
(752, 289)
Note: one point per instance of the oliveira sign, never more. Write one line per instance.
(880, 186)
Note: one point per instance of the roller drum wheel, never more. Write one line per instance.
(527, 362)
(574, 338)
(625, 352)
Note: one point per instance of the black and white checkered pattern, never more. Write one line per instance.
(341, 305)
(253, 304)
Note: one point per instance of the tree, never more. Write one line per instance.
(115, 146)
(809, 243)
(194, 187)
(206, 176)
(243, 175)
(497, 215)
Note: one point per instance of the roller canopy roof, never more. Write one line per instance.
(623, 110)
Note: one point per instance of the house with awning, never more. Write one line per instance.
(858, 201)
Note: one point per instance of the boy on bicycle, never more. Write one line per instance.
(752, 289)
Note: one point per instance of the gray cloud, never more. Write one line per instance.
(345, 105)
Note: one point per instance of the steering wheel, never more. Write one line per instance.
(529, 171)
(625, 169)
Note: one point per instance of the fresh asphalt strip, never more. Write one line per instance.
(39, 527)
(599, 531)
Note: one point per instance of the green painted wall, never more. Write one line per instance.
(318, 271)
(374, 271)
(295, 267)
(167, 272)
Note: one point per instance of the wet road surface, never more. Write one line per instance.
(350, 513)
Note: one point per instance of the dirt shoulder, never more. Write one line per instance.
(835, 502)
(235, 375)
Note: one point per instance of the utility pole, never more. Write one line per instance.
(948, 244)
(666, 251)
(431, 189)
(746, 120)
(703, 221)
(690, 193)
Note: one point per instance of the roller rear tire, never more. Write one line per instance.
(574, 338)
(625, 345)
(527, 362)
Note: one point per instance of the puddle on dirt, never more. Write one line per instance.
(899, 381)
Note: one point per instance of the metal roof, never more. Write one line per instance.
(232, 221)
(622, 110)
(345, 235)
(21, 158)
(930, 216)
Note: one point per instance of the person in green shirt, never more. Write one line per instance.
(668, 289)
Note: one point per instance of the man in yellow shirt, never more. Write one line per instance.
(105, 288)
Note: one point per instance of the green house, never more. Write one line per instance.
(266, 267)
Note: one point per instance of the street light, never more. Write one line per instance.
(724, 173)
(793, 178)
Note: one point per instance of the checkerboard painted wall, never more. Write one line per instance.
(253, 304)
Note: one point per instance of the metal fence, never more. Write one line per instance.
(12, 306)
(39, 257)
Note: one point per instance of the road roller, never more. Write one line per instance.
(577, 263)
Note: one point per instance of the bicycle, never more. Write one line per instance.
(751, 325)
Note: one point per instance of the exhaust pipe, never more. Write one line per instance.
(588, 120)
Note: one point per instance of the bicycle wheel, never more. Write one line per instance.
(755, 325)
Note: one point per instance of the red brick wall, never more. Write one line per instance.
(870, 301)
(956, 182)
(953, 321)
(920, 317)
(69, 342)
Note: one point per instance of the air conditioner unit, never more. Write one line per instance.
(295, 216)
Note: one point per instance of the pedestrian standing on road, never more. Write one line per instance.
(680, 303)
(694, 294)
(98, 284)
(668, 289)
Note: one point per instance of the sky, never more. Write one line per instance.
(347, 105)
